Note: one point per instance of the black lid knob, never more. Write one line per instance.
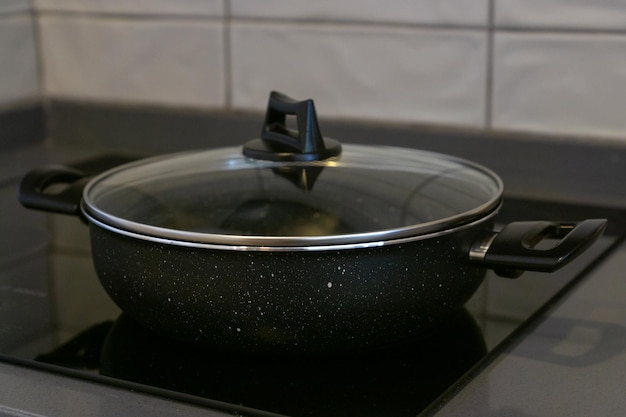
(279, 143)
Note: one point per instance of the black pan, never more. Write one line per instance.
(298, 243)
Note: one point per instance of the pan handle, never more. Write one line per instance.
(53, 188)
(515, 248)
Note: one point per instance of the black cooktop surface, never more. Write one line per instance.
(402, 379)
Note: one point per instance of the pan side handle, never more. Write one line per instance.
(516, 247)
(53, 188)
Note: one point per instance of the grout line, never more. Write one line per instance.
(129, 16)
(9, 15)
(329, 22)
(358, 23)
(558, 30)
(491, 25)
(489, 66)
(41, 74)
(227, 56)
(259, 19)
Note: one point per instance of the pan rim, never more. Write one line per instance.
(286, 248)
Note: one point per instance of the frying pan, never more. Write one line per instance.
(296, 242)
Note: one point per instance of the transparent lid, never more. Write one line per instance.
(365, 195)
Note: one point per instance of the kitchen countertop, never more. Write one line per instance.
(32, 393)
(572, 363)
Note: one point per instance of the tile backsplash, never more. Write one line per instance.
(442, 12)
(560, 82)
(192, 8)
(388, 73)
(19, 76)
(543, 66)
(597, 15)
(138, 61)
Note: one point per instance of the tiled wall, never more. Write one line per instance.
(19, 80)
(552, 66)
(560, 66)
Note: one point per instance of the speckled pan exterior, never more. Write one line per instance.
(288, 302)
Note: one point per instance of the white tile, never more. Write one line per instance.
(18, 63)
(394, 74)
(202, 8)
(473, 12)
(564, 84)
(145, 61)
(584, 14)
(14, 6)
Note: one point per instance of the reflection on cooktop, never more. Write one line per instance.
(398, 380)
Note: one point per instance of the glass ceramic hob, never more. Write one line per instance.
(403, 379)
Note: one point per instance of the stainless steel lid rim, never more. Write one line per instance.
(240, 244)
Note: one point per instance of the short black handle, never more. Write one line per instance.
(307, 139)
(33, 189)
(513, 248)
(280, 143)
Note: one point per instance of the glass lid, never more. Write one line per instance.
(365, 195)
(292, 188)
